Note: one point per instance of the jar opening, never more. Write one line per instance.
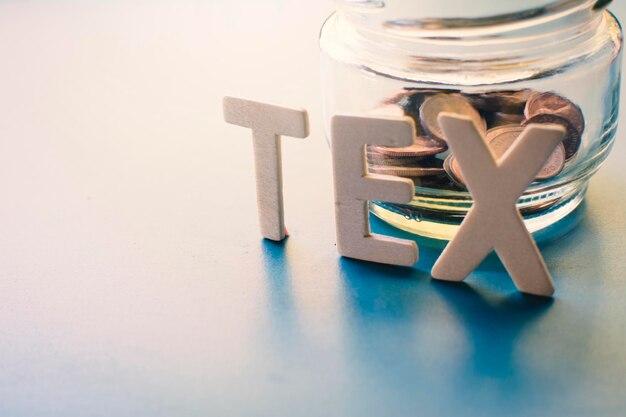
(453, 19)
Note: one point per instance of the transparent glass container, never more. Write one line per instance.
(513, 63)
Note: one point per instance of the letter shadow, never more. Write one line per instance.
(395, 301)
(282, 312)
(402, 313)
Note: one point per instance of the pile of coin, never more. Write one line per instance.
(501, 115)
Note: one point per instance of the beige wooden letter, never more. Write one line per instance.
(268, 122)
(354, 187)
(493, 221)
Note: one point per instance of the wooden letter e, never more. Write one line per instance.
(354, 186)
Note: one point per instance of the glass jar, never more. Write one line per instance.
(506, 64)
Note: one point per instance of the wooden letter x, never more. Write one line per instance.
(494, 222)
(354, 187)
(268, 122)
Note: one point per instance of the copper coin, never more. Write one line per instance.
(452, 103)
(572, 136)
(454, 173)
(554, 104)
(501, 142)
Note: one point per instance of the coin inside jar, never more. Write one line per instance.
(410, 100)
(415, 97)
(572, 138)
(502, 119)
(500, 101)
(403, 171)
(499, 141)
(554, 104)
(422, 146)
(406, 167)
(452, 103)
(455, 173)
(376, 158)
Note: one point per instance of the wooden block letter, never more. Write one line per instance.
(354, 186)
(494, 222)
(268, 122)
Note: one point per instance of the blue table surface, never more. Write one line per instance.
(134, 281)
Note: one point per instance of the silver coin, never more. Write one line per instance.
(454, 174)
(495, 131)
(375, 158)
(422, 146)
(452, 103)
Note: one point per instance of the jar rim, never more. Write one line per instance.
(448, 18)
(527, 52)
